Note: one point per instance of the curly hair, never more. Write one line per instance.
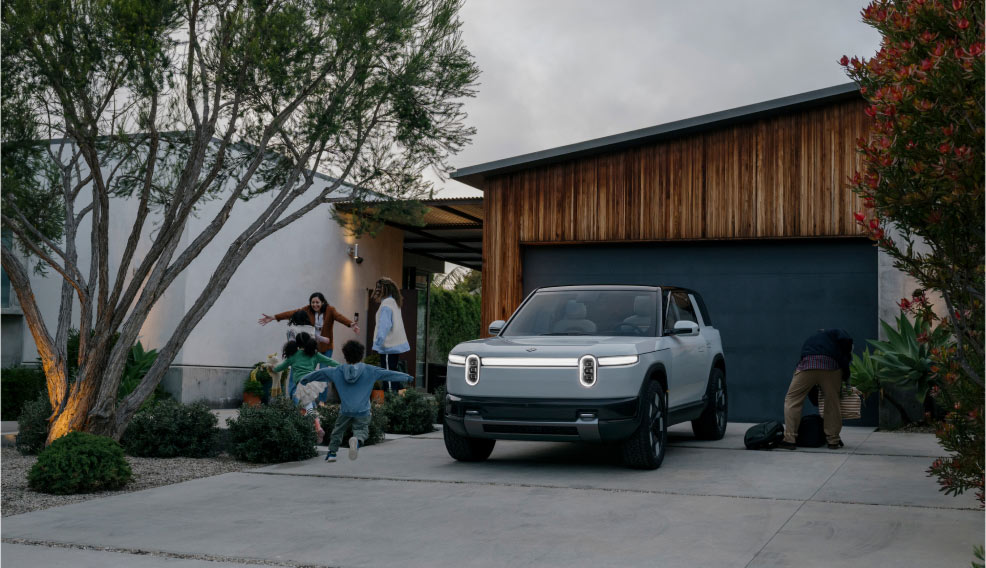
(353, 351)
(388, 289)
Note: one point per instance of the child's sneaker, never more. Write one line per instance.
(330, 457)
(353, 448)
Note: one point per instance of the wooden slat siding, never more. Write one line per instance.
(784, 176)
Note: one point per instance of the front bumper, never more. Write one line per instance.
(540, 419)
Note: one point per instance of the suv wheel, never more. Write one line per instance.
(466, 449)
(711, 425)
(645, 449)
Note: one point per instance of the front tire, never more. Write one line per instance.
(711, 425)
(466, 449)
(645, 448)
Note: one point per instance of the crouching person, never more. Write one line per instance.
(354, 382)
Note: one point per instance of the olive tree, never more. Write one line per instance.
(173, 103)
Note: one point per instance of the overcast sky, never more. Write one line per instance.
(557, 72)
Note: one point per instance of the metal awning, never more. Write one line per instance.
(453, 232)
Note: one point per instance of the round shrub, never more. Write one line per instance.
(169, 428)
(32, 426)
(272, 433)
(412, 413)
(378, 424)
(80, 462)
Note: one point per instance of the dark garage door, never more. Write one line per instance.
(765, 297)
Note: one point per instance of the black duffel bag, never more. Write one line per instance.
(764, 436)
(811, 432)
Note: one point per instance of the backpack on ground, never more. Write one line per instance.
(811, 432)
(764, 436)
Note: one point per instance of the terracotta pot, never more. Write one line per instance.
(250, 399)
(377, 397)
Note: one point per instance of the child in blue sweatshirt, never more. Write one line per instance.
(354, 382)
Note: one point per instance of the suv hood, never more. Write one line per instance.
(558, 346)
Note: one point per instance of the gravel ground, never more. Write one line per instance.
(17, 498)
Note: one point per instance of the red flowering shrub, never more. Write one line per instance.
(922, 188)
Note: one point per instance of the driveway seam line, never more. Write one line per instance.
(798, 510)
(602, 489)
(164, 553)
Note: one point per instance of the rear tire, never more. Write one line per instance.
(711, 425)
(645, 448)
(466, 449)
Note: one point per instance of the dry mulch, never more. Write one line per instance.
(16, 497)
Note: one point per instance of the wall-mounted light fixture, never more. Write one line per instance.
(354, 254)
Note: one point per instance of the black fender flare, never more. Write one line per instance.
(657, 371)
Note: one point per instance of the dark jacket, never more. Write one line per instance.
(834, 343)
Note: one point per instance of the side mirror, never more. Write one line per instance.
(496, 327)
(685, 327)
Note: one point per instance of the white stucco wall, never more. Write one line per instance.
(279, 274)
(894, 285)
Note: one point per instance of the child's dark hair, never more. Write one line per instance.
(353, 351)
(300, 317)
(301, 341)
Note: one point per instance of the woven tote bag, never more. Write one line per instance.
(850, 403)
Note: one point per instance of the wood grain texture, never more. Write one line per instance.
(784, 176)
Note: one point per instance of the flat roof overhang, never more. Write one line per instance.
(476, 176)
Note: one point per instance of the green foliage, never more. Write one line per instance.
(440, 393)
(410, 413)
(252, 386)
(979, 554)
(169, 428)
(260, 374)
(80, 462)
(864, 373)
(272, 433)
(905, 358)
(138, 363)
(18, 385)
(32, 426)
(328, 414)
(922, 186)
(455, 317)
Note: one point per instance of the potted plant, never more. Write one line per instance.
(262, 375)
(377, 396)
(252, 391)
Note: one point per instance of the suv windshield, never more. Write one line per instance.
(587, 312)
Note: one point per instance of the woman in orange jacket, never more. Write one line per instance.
(322, 315)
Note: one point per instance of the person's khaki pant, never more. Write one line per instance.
(802, 382)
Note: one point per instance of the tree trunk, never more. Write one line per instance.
(74, 415)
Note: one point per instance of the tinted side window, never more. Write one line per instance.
(670, 312)
(684, 306)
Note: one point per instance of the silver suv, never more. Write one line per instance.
(592, 363)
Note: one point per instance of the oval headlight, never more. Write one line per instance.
(588, 370)
(472, 370)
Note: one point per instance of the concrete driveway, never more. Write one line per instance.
(406, 503)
